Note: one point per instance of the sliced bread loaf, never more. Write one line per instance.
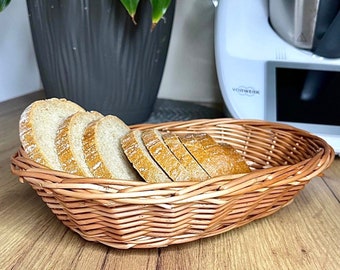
(103, 153)
(184, 157)
(154, 143)
(214, 158)
(69, 142)
(38, 127)
(237, 164)
(141, 160)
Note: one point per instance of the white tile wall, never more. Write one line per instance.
(19, 73)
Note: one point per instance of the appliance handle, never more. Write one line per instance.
(326, 13)
(329, 45)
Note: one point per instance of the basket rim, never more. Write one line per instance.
(134, 191)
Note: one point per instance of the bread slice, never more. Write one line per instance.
(183, 155)
(38, 127)
(141, 160)
(102, 149)
(236, 161)
(214, 158)
(69, 143)
(153, 141)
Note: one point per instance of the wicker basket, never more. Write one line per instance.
(135, 214)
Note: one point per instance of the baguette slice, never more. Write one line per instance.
(184, 157)
(69, 142)
(103, 153)
(214, 158)
(153, 141)
(141, 160)
(38, 127)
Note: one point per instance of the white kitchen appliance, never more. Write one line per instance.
(262, 75)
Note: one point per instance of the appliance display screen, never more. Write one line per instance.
(307, 96)
(304, 95)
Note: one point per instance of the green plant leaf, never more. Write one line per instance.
(159, 7)
(3, 4)
(131, 7)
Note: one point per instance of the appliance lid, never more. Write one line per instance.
(313, 25)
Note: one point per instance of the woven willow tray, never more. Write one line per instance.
(135, 214)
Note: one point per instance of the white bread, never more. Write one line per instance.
(216, 159)
(38, 127)
(183, 155)
(69, 142)
(141, 160)
(156, 147)
(102, 149)
(61, 135)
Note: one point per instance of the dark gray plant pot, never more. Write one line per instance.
(92, 53)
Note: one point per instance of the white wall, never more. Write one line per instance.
(190, 70)
(189, 73)
(18, 69)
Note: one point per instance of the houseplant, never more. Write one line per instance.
(106, 55)
(159, 7)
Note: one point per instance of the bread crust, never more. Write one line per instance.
(141, 160)
(92, 157)
(216, 159)
(71, 160)
(153, 141)
(236, 161)
(172, 141)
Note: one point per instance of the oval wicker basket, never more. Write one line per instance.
(135, 214)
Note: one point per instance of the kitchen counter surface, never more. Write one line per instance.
(303, 235)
